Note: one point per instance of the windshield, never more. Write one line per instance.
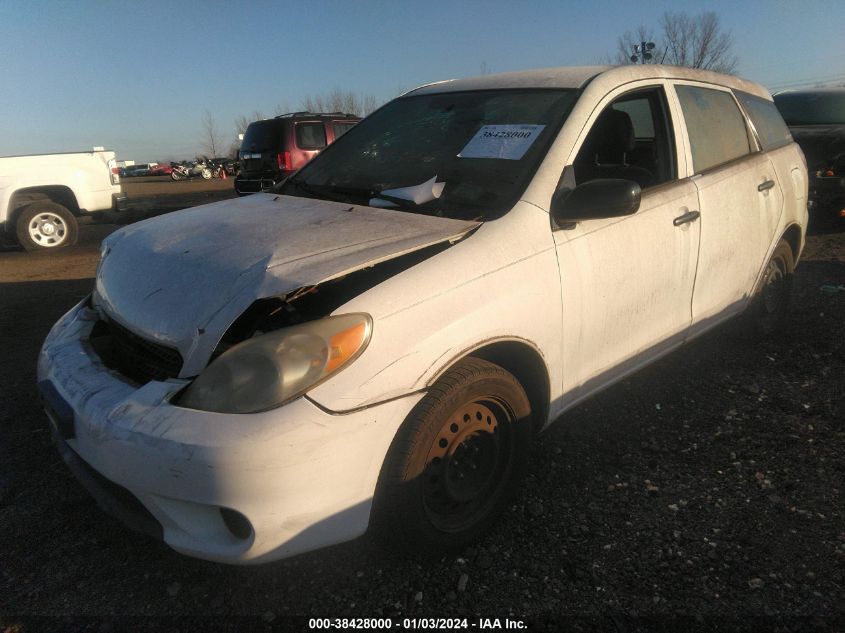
(463, 155)
(812, 108)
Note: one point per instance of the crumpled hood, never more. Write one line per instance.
(183, 278)
(821, 144)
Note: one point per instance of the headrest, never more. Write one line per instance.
(611, 136)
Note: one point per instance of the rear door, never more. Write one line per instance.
(262, 144)
(738, 193)
(775, 139)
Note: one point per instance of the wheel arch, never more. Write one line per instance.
(60, 194)
(522, 359)
(794, 236)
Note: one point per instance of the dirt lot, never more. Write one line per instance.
(705, 493)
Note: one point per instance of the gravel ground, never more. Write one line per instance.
(705, 493)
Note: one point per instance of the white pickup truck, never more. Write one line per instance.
(42, 196)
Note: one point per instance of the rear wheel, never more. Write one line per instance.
(770, 307)
(175, 175)
(46, 224)
(206, 174)
(456, 460)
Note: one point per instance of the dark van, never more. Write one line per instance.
(272, 149)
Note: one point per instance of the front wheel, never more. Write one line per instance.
(175, 175)
(46, 224)
(455, 461)
(206, 174)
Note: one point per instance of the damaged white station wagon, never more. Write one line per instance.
(377, 342)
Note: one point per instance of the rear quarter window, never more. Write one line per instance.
(715, 125)
(310, 135)
(342, 127)
(767, 120)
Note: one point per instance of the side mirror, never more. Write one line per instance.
(596, 199)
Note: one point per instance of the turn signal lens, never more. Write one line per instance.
(344, 345)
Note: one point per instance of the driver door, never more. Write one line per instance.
(627, 282)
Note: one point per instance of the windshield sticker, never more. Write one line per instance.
(508, 142)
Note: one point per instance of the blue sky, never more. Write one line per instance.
(137, 76)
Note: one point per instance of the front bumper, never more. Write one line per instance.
(299, 477)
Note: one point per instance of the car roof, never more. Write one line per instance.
(577, 77)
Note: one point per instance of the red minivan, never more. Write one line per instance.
(272, 149)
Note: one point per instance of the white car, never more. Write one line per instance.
(377, 343)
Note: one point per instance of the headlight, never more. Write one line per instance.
(268, 370)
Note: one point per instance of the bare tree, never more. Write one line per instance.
(696, 41)
(243, 121)
(211, 141)
(339, 100)
(283, 107)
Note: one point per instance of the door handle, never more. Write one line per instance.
(766, 185)
(689, 216)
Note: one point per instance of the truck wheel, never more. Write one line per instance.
(770, 307)
(45, 224)
(455, 461)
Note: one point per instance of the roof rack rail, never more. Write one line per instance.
(307, 113)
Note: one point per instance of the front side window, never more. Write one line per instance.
(310, 135)
(768, 122)
(715, 126)
(460, 155)
(630, 139)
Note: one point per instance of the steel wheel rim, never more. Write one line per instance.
(467, 463)
(773, 289)
(47, 229)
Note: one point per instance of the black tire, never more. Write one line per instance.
(176, 176)
(456, 460)
(769, 308)
(45, 224)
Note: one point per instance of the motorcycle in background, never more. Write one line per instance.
(199, 170)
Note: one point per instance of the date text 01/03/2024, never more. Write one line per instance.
(412, 624)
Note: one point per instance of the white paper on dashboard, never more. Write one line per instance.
(509, 142)
(418, 194)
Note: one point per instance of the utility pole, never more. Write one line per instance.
(642, 52)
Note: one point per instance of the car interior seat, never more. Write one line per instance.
(608, 149)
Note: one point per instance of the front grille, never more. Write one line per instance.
(133, 356)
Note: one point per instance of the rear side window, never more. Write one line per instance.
(716, 127)
(310, 135)
(768, 122)
(341, 128)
